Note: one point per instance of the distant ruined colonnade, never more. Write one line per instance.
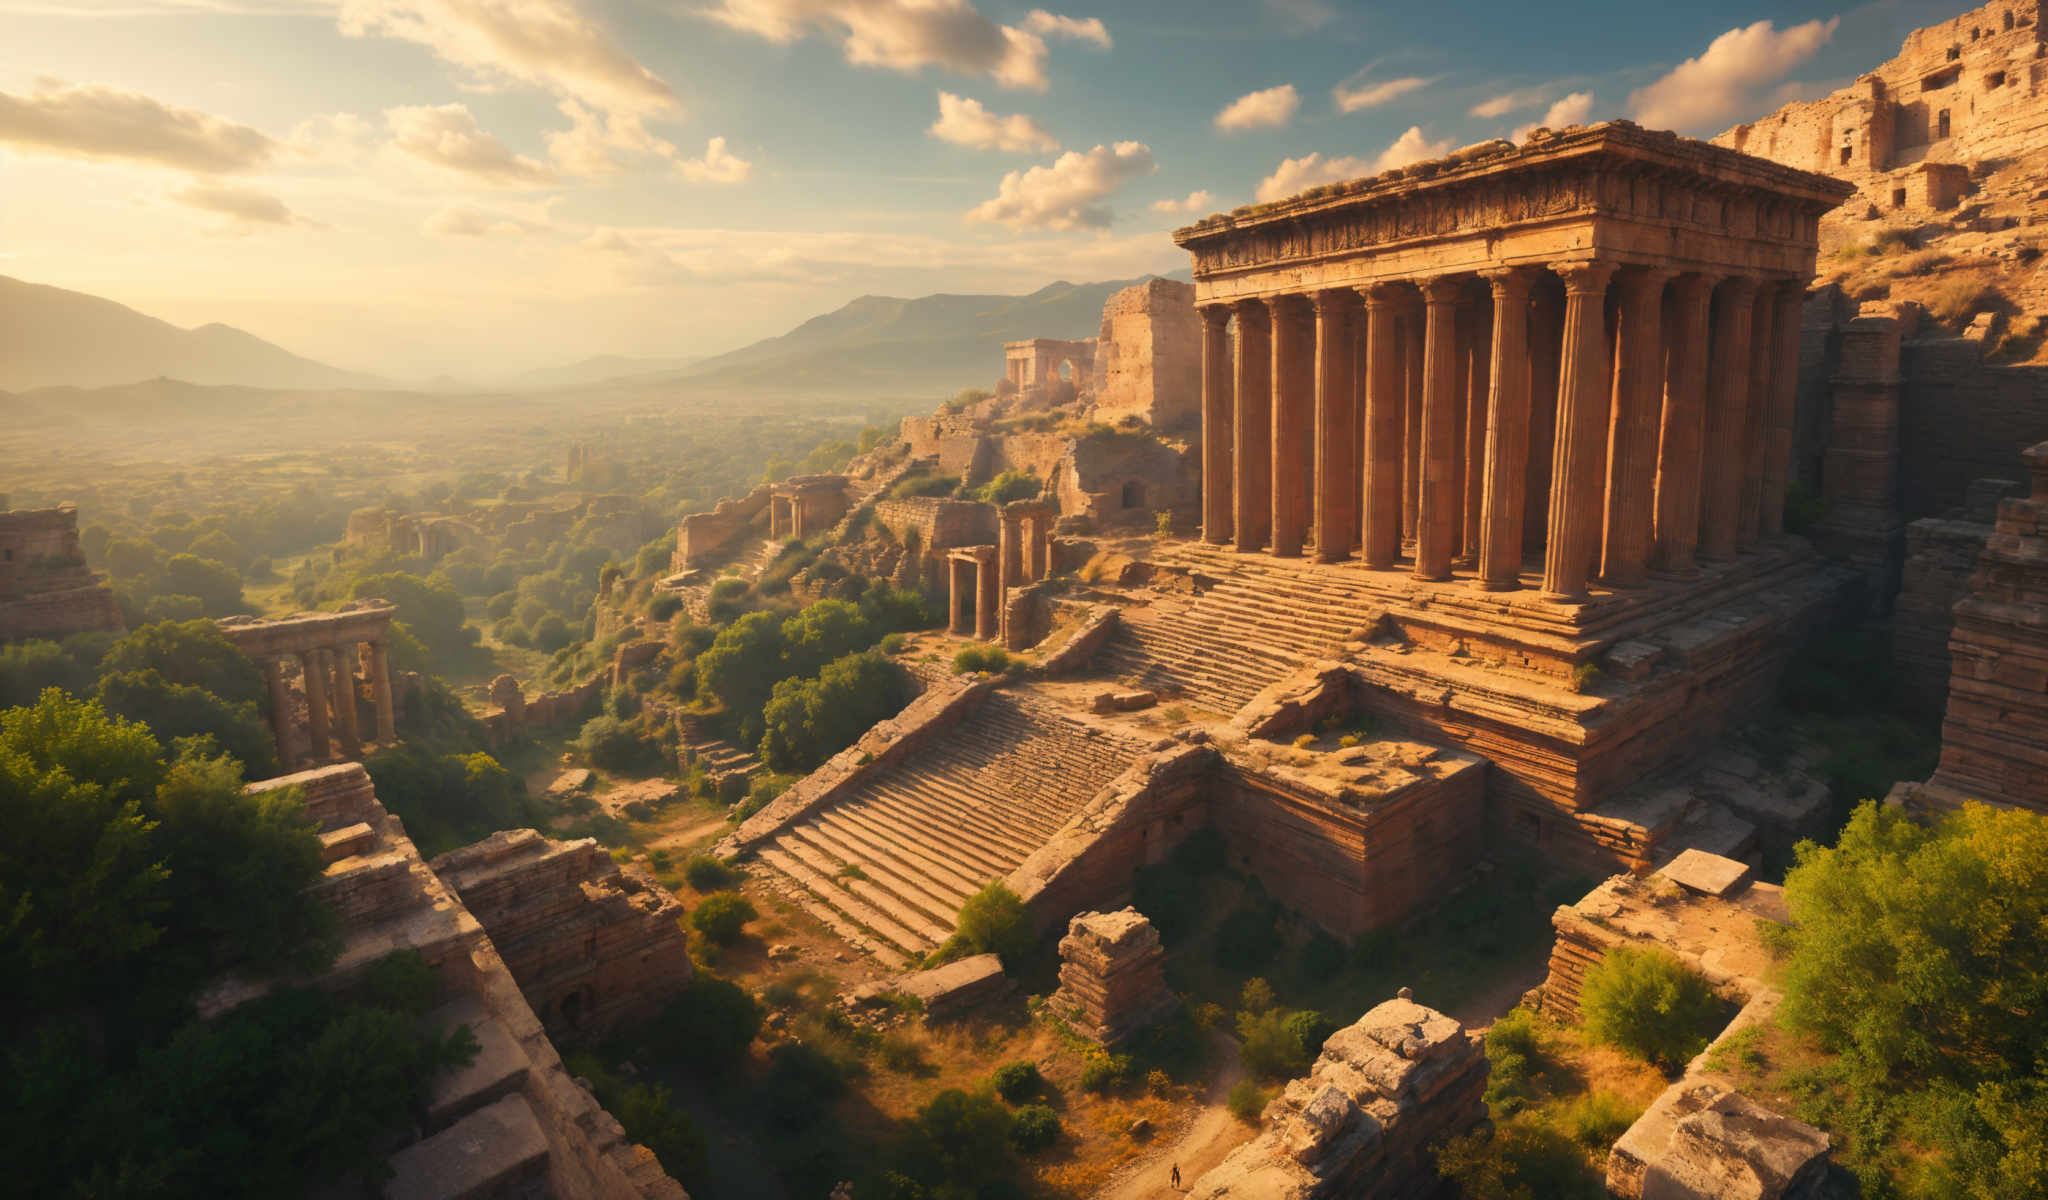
(335, 654)
(1584, 350)
(980, 578)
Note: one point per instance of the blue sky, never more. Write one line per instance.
(479, 186)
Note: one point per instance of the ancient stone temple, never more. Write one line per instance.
(1557, 365)
(336, 656)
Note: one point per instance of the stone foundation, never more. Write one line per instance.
(1365, 1122)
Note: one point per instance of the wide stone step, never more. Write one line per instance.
(944, 877)
(879, 924)
(910, 802)
(886, 873)
(1010, 825)
(847, 931)
(911, 841)
(921, 827)
(900, 909)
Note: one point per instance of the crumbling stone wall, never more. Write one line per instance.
(46, 588)
(1148, 358)
(1363, 1124)
(703, 536)
(594, 945)
(938, 523)
(1941, 555)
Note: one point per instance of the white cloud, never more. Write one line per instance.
(901, 35)
(1302, 16)
(245, 208)
(1566, 110)
(338, 140)
(1268, 109)
(964, 122)
(99, 123)
(718, 165)
(1072, 193)
(594, 143)
(467, 220)
(1355, 93)
(448, 136)
(1722, 85)
(1088, 29)
(1196, 201)
(1295, 175)
(1507, 102)
(549, 44)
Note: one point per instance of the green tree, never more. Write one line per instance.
(1647, 1002)
(822, 633)
(807, 721)
(431, 609)
(217, 585)
(995, 921)
(193, 653)
(743, 663)
(723, 916)
(1011, 485)
(961, 1140)
(175, 711)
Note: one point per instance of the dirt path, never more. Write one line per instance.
(1479, 1013)
(1212, 1135)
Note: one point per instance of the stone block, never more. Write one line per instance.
(1736, 1149)
(1112, 975)
(957, 986)
(498, 1151)
(1708, 874)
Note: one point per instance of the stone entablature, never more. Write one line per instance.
(594, 946)
(46, 588)
(335, 653)
(1455, 314)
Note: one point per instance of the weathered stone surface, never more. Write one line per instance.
(498, 1151)
(46, 588)
(1736, 1149)
(957, 986)
(1148, 357)
(1112, 975)
(1707, 874)
(1365, 1121)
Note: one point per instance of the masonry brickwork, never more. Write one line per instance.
(1148, 357)
(46, 588)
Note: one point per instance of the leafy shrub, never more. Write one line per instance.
(992, 659)
(806, 721)
(1008, 486)
(994, 921)
(960, 1143)
(1585, 677)
(893, 643)
(1521, 1159)
(1597, 1120)
(902, 1053)
(651, 1117)
(708, 1025)
(1101, 1070)
(1245, 940)
(924, 485)
(613, 744)
(723, 917)
(1247, 1101)
(1018, 1081)
(1647, 1002)
(1279, 1044)
(1035, 1128)
(802, 1083)
(663, 606)
(707, 874)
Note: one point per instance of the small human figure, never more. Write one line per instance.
(1176, 1176)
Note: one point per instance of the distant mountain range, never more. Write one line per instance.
(50, 336)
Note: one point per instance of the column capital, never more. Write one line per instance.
(1250, 308)
(1292, 306)
(1695, 283)
(1385, 295)
(1585, 278)
(1510, 283)
(1741, 287)
(1443, 289)
(1638, 278)
(1333, 300)
(1217, 315)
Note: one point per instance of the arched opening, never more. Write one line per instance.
(1942, 124)
(572, 1010)
(1066, 371)
(1134, 494)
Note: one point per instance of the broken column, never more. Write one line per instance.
(1112, 975)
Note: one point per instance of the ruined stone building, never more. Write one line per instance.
(1906, 134)
(329, 679)
(46, 588)
(1047, 369)
(1148, 358)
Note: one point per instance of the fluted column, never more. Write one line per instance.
(1756, 418)
(380, 693)
(1385, 405)
(280, 710)
(1412, 339)
(1632, 434)
(1681, 428)
(1252, 512)
(1218, 418)
(1336, 450)
(1478, 355)
(1777, 472)
(1441, 507)
(1504, 489)
(1294, 402)
(1577, 464)
(315, 680)
(1727, 404)
(1546, 345)
(1011, 546)
(344, 680)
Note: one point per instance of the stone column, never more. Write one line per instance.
(1478, 355)
(380, 693)
(1682, 426)
(1777, 470)
(1507, 433)
(1385, 405)
(1441, 507)
(315, 681)
(1632, 432)
(1252, 514)
(1337, 486)
(1756, 416)
(988, 599)
(280, 710)
(1218, 477)
(1012, 553)
(1577, 464)
(345, 699)
(1546, 345)
(1294, 400)
(957, 591)
(1412, 339)
(1727, 404)
(1038, 547)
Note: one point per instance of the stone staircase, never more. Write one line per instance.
(1219, 649)
(888, 866)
